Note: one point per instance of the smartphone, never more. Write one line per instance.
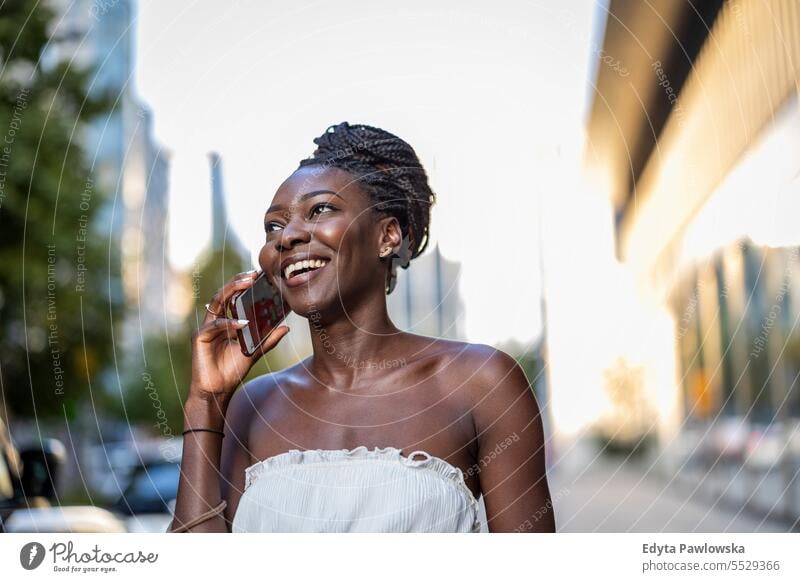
(263, 307)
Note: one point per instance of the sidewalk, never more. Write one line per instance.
(593, 493)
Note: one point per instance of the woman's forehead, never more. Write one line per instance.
(315, 178)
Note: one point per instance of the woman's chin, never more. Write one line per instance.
(305, 301)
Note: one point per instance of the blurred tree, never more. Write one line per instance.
(55, 310)
(154, 393)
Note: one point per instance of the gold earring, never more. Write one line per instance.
(385, 251)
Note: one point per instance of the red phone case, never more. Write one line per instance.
(271, 307)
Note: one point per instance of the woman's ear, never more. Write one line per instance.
(391, 235)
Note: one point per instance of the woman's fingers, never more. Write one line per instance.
(221, 327)
(218, 303)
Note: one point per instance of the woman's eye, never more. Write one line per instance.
(321, 208)
(271, 227)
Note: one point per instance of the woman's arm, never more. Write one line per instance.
(236, 455)
(199, 486)
(213, 468)
(511, 457)
(210, 463)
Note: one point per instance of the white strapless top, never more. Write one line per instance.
(355, 490)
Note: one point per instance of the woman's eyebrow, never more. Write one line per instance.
(303, 198)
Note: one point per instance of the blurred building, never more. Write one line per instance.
(426, 298)
(694, 134)
(127, 162)
(222, 234)
(101, 40)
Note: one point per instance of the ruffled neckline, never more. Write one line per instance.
(416, 459)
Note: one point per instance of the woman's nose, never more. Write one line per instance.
(296, 231)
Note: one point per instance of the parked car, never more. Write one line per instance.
(28, 481)
(151, 489)
(110, 464)
(148, 502)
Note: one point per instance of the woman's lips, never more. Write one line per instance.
(304, 277)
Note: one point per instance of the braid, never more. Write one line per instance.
(388, 168)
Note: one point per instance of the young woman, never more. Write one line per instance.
(341, 441)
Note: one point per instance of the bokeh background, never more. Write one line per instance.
(618, 190)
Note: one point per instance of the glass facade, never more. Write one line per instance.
(737, 310)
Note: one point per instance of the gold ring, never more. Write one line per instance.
(214, 312)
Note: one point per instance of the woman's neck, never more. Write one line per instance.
(351, 344)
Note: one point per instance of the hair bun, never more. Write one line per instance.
(388, 169)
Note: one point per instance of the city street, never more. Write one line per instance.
(593, 493)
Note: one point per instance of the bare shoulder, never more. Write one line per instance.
(247, 400)
(492, 378)
(492, 382)
(483, 373)
(487, 363)
(509, 438)
(476, 365)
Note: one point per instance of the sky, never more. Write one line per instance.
(493, 101)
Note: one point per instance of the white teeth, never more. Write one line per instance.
(313, 263)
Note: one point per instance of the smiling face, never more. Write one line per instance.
(322, 241)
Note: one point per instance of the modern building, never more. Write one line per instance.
(222, 234)
(125, 162)
(694, 135)
(426, 299)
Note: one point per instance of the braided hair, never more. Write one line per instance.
(388, 169)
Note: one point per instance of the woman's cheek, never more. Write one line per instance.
(263, 259)
(330, 233)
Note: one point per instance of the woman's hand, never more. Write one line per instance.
(218, 364)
